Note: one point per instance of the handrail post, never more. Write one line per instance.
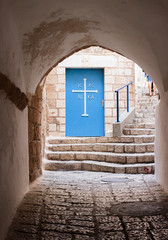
(127, 98)
(117, 92)
(117, 97)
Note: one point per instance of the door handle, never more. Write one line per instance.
(103, 103)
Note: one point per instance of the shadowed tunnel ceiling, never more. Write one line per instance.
(48, 31)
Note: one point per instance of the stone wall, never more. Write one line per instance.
(35, 134)
(118, 71)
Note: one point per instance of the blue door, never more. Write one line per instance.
(84, 102)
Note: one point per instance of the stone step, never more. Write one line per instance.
(104, 147)
(144, 120)
(148, 98)
(134, 139)
(138, 131)
(72, 140)
(122, 139)
(140, 168)
(152, 102)
(140, 125)
(122, 158)
(145, 108)
(144, 115)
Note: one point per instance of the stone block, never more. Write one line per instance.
(110, 148)
(52, 120)
(108, 127)
(150, 148)
(109, 104)
(114, 112)
(129, 148)
(108, 87)
(51, 104)
(96, 157)
(67, 156)
(145, 159)
(89, 140)
(102, 140)
(52, 127)
(73, 166)
(50, 87)
(61, 112)
(31, 130)
(60, 87)
(109, 96)
(31, 115)
(148, 139)
(145, 169)
(53, 112)
(51, 79)
(109, 79)
(109, 120)
(108, 112)
(140, 148)
(125, 64)
(62, 129)
(119, 170)
(61, 120)
(127, 131)
(126, 139)
(60, 70)
(138, 139)
(124, 72)
(131, 159)
(116, 159)
(119, 148)
(81, 156)
(60, 148)
(53, 156)
(100, 148)
(61, 95)
(102, 168)
(60, 103)
(131, 170)
(51, 94)
(87, 166)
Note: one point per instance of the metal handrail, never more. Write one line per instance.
(117, 95)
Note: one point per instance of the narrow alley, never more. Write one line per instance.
(91, 205)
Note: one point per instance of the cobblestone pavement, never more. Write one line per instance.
(90, 205)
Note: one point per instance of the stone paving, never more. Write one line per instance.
(92, 206)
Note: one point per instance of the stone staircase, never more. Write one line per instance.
(131, 153)
(145, 108)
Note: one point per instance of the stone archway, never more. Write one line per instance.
(137, 30)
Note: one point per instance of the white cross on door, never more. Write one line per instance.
(85, 91)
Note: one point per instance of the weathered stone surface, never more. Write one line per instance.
(79, 205)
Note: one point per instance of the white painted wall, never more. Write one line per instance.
(84, 60)
(161, 142)
(14, 167)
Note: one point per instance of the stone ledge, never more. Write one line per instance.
(126, 117)
(95, 166)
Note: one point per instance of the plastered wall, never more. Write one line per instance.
(161, 142)
(14, 168)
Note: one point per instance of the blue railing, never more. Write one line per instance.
(117, 97)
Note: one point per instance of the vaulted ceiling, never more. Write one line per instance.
(37, 34)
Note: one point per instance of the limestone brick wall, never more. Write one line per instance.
(118, 71)
(35, 134)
